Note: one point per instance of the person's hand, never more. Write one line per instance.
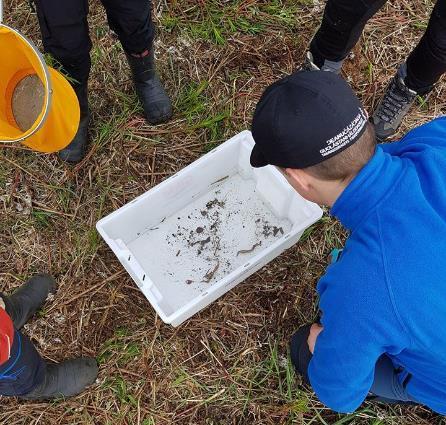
(315, 330)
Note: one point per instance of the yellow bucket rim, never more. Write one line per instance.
(47, 84)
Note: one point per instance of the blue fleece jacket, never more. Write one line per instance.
(387, 293)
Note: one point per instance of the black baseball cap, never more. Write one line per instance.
(304, 119)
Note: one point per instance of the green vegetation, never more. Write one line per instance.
(216, 21)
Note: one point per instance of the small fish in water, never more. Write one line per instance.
(247, 251)
(220, 180)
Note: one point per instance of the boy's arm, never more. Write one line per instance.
(358, 325)
(345, 352)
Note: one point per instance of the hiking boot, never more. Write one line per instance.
(395, 104)
(24, 302)
(77, 149)
(65, 379)
(156, 103)
(331, 66)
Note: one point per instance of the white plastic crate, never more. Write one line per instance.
(202, 231)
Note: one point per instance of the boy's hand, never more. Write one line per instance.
(315, 330)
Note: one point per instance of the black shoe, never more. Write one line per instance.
(65, 379)
(393, 106)
(156, 103)
(77, 149)
(331, 66)
(24, 303)
(300, 352)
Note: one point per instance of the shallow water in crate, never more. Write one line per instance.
(208, 239)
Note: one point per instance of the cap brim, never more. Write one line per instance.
(257, 158)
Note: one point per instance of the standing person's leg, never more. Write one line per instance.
(427, 62)
(417, 76)
(65, 35)
(132, 22)
(341, 28)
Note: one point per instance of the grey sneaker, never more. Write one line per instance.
(395, 104)
(331, 66)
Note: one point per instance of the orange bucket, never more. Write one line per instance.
(38, 106)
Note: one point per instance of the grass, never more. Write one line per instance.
(42, 218)
(196, 107)
(228, 365)
(191, 102)
(216, 23)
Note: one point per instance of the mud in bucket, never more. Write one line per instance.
(38, 106)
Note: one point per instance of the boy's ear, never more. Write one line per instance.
(299, 177)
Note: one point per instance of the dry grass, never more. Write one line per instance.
(227, 365)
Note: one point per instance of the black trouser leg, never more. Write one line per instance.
(341, 27)
(131, 20)
(65, 35)
(427, 62)
(65, 30)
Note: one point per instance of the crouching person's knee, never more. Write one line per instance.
(300, 352)
(24, 370)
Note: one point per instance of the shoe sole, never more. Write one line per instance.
(160, 120)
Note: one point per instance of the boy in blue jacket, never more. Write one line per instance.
(383, 303)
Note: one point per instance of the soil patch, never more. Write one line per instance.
(27, 101)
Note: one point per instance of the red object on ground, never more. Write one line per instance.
(6, 336)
